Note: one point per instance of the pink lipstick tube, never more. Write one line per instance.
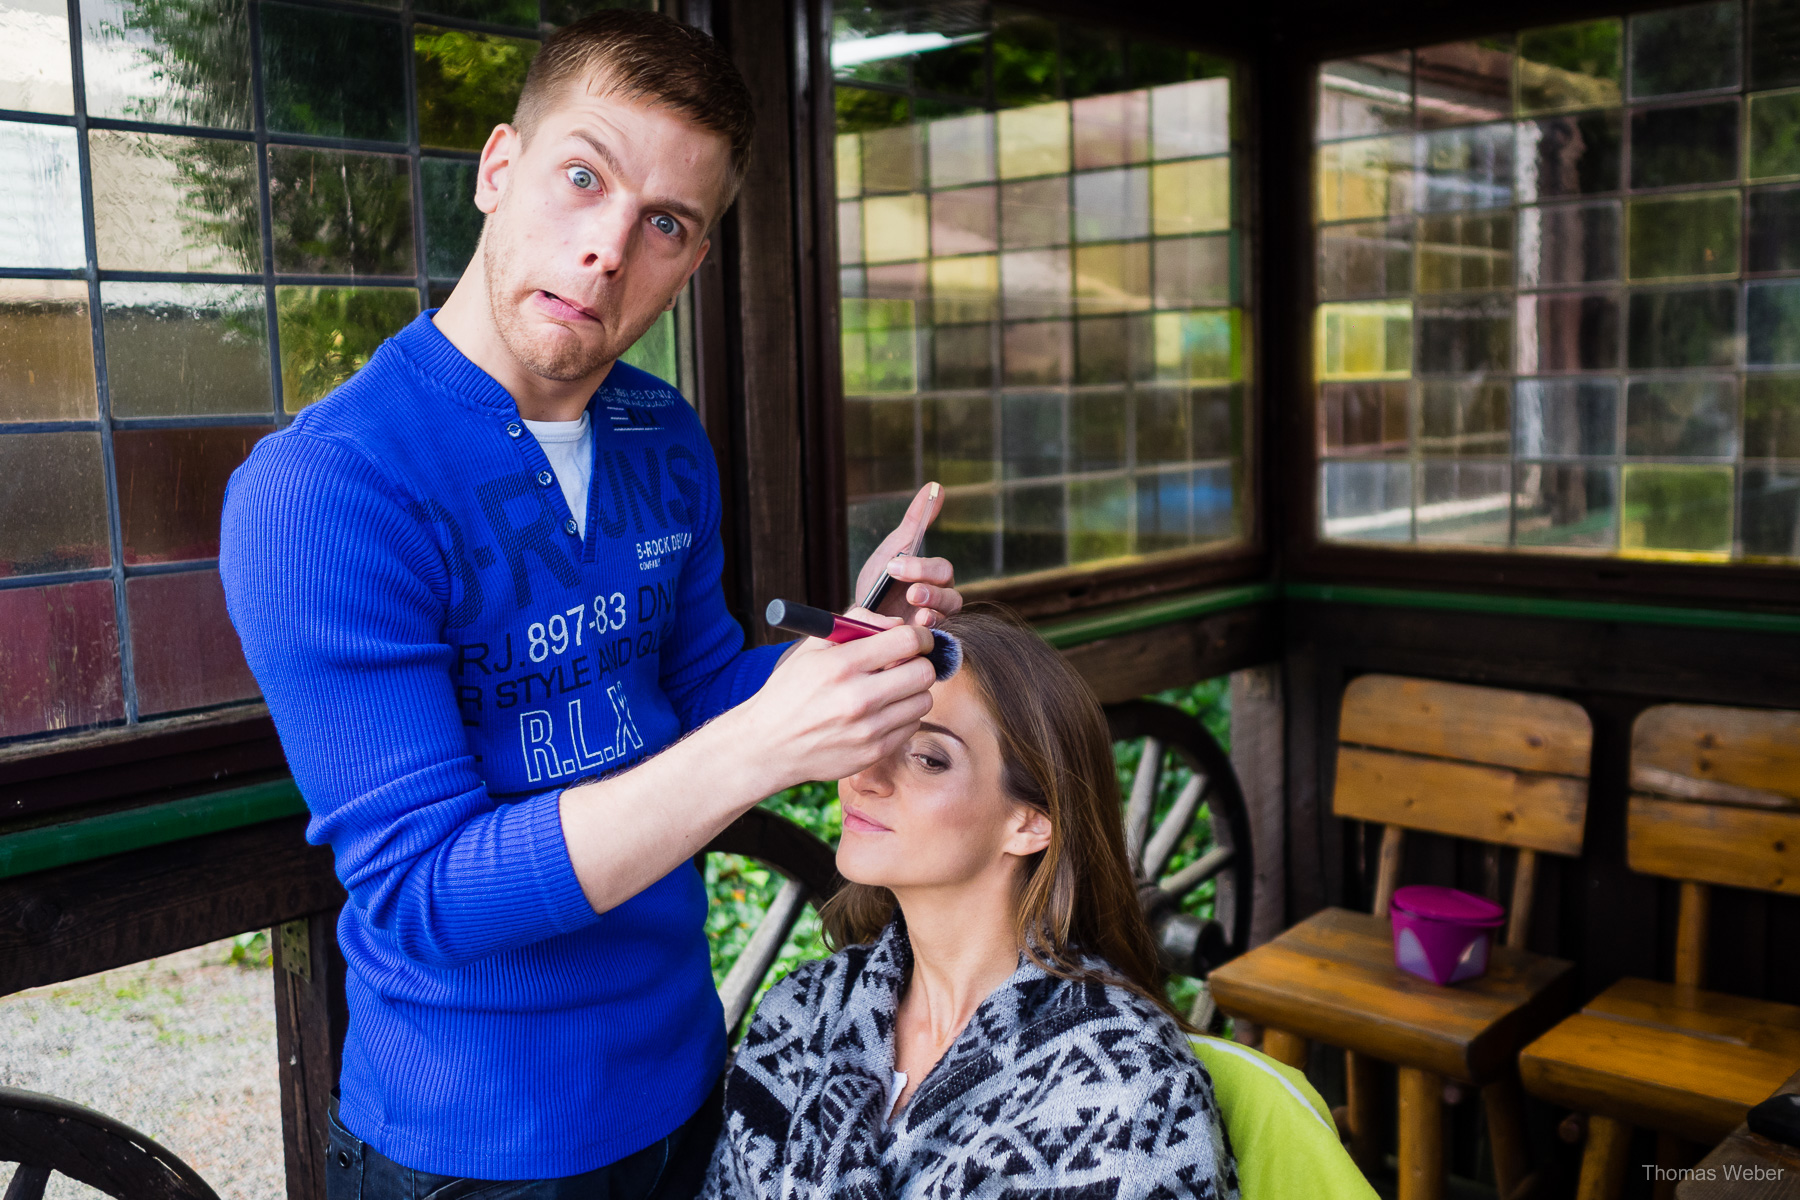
(945, 654)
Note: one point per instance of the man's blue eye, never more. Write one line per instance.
(666, 225)
(581, 177)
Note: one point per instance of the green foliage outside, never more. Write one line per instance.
(468, 83)
(740, 890)
(328, 333)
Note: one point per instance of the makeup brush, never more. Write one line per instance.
(945, 655)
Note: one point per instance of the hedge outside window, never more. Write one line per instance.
(1559, 289)
(1041, 255)
(211, 213)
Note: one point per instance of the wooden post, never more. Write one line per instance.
(1387, 874)
(1362, 1080)
(1518, 923)
(1504, 1101)
(310, 1021)
(1421, 1135)
(1258, 755)
(1603, 1162)
(1690, 934)
(1285, 1047)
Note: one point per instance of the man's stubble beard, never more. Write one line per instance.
(562, 360)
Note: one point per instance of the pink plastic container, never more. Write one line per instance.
(1442, 934)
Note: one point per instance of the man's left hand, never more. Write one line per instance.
(924, 590)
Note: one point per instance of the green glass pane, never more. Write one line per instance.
(967, 533)
(178, 62)
(467, 84)
(1099, 519)
(1576, 155)
(522, 14)
(47, 371)
(1677, 510)
(175, 204)
(1771, 521)
(1569, 66)
(1772, 416)
(34, 74)
(1696, 143)
(1774, 135)
(1683, 236)
(655, 351)
(452, 222)
(52, 503)
(186, 349)
(1198, 347)
(1565, 504)
(1690, 327)
(1033, 536)
(880, 346)
(1681, 418)
(1775, 229)
(1025, 69)
(959, 441)
(1774, 43)
(1692, 49)
(328, 333)
(1772, 317)
(40, 197)
(337, 212)
(333, 74)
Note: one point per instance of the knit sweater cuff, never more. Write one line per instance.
(563, 898)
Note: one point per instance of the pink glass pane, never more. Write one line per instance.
(184, 651)
(172, 488)
(59, 658)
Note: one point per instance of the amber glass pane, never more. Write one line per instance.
(1364, 340)
(1363, 418)
(172, 488)
(34, 72)
(40, 197)
(176, 62)
(333, 74)
(52, 503)
(1678, 236)
(184, 652)
(185, 349)
(1565, 505)
(1369, 94)
(1037, 352)
(59, 658)
(1680, 510)
(1695, 143)
(965, 289)
(175, 204)
(452, 222)
(1569, 66)
(1112, 278)
(337, 212)
(895, 228)
(893, 160)
(47, 369)
(1464, 83)
(1681, 418)
(328, 333)
(1372, 177)
(467, 83)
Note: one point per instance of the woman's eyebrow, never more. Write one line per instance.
(928, 727)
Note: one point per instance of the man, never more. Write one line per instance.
(480, 579)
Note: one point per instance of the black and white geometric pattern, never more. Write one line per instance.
(1055, 1090)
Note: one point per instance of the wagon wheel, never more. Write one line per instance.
(44, 1135)
(1188, 944)
(808, 867)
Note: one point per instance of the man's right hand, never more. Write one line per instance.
(829, 711)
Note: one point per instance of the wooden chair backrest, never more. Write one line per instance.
(1501, 767)
(1715, 799)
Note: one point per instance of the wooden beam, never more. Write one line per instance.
(1182, 652)
(311, 1017)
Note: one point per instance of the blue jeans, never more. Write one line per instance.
(670, 1169)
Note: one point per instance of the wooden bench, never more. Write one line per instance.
(1715, 801)
(1508, 769)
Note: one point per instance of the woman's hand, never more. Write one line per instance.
(926, 587)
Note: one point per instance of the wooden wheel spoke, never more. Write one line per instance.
(1199, 871)
(760, 953)
(28, 1183)
(1143, 798)
(1174, 827)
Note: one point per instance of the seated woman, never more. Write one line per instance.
(994, 1023)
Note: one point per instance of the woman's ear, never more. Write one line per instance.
(1029, 833)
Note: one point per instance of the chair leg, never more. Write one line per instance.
(1673, 1154)
(1421, 1134)
(1504, 1101)
(1362, 1077)
(1603, 1162)
(1285, 1047)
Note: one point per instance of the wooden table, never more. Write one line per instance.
(1747, 1167)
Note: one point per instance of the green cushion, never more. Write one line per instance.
(1283, 1135)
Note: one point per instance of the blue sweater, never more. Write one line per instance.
(442, 655)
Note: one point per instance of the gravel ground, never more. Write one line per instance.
(182, 1048)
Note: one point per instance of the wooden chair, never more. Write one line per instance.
(1715, 801)
(1505, 768)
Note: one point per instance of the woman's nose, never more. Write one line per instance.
(876, 780)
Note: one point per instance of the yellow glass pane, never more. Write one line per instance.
(849, 165)
(894, 228)
(1112, 278)
(1370, 177)
(965, 289)
(893, 160)
(47, 370)
(1034, 140)
(1363, 341)
(1198, 347)
(1190, 197)
(1677, 511)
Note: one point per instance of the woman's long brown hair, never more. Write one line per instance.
(1078, 896)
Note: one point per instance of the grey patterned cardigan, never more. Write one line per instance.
(1055, 1090)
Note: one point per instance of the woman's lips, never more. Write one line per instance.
(561, 309)
(856, 822)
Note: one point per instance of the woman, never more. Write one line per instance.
(994, 1024)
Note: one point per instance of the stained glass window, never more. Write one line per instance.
(1041, 241)
(181, 272)
(1559, 289)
